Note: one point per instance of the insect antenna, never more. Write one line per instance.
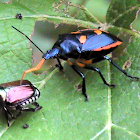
(28, 39)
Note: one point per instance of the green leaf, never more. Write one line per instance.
(122, 13)
(111, 113)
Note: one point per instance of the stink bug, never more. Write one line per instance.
(16, 96)
(86, 47)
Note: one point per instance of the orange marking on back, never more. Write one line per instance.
(69, 62)
(79, 64)
(98, 32)
(82, 39)
(108, 46)
(78, 32)
(87, 61)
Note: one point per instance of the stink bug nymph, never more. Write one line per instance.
(15, 97)
(86, 47)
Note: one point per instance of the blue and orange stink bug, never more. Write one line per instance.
(86, 47)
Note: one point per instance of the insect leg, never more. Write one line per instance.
(107, 58)
(59, 64)
(6, 115)
(95, 69)
(37, 107)
(20, 108)
(7, 118)
(83, 77)
(101, 75)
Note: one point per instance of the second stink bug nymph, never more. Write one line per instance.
(15, 98)
(85, 47)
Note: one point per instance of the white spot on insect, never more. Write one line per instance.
(33, 98)
(3, 94)
(34, 85)
(37, 92)
(27, 102)
(30, 100)
(23, 104)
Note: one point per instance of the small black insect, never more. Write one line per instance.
(25, 126)
(15, 97)
(19, 16)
